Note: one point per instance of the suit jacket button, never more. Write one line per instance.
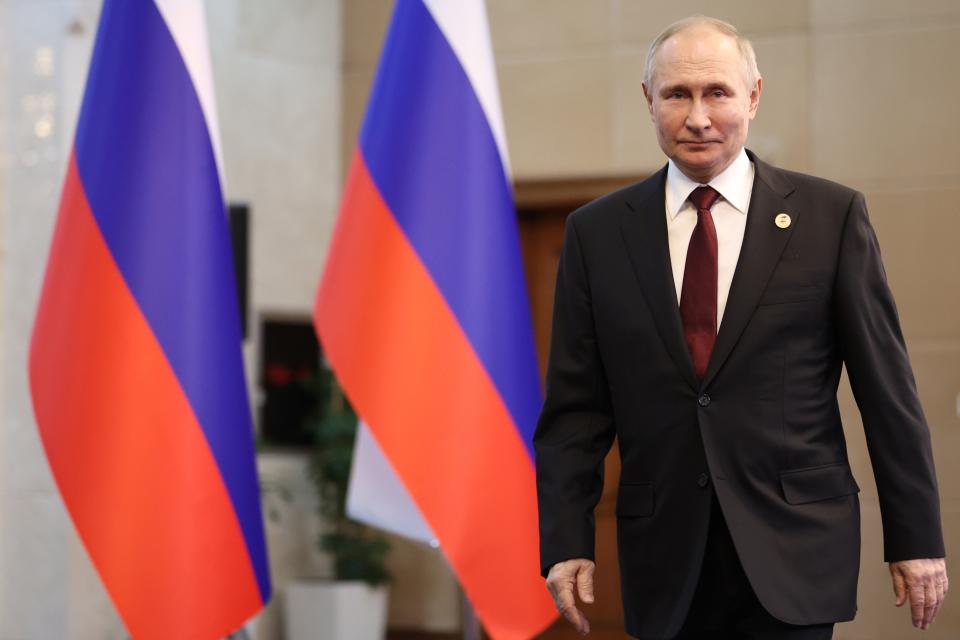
(703, 480)
(703, 400)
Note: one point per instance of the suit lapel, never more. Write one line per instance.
(763, 244)
(644, 230)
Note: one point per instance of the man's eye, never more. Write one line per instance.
(675, 95)
(719, 93)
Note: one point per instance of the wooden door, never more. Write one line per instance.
(542, 208)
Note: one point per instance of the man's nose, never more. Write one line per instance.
(697, 118)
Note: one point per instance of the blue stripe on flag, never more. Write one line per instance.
(147, 164)
(432, 154)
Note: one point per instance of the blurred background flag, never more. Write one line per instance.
(422, 312)
(135, 363)
(377, 496)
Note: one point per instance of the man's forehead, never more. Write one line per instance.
(699, 56)
(699, 44)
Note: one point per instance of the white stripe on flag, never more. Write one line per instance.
(465, 26)
(187, 22)
(377, 496)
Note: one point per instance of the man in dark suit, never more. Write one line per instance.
(703, 317)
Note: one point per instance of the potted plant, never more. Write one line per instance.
(353, 605)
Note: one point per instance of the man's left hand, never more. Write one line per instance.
(925, 582)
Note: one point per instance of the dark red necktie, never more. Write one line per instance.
(698, 296)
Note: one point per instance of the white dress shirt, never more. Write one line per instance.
(729, 213)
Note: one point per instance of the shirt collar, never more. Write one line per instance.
(735, 184)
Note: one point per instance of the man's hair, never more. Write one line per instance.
(746, 49)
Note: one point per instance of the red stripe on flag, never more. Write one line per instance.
(410, 371)
(128, 455)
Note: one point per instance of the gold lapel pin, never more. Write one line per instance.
(782, 220)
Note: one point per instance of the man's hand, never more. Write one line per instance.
(561, 580)
(925, 582)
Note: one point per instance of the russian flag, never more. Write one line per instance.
(422, 308)
(135, 362)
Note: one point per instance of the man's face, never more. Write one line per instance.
(700, 101)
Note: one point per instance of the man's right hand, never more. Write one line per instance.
(562, 579)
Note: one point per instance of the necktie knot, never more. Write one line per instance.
(704, 197)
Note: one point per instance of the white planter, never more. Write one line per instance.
(332, 610)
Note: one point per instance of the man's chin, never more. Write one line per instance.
(704, 154)
(697, 164)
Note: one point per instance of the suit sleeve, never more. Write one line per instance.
(575, 429)
(880, 375)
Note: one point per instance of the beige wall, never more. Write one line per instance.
(864, 92)
(4, 162)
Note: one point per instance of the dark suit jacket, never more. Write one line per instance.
(762, 429)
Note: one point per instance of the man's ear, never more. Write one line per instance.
(649, 96)
(755, 97)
